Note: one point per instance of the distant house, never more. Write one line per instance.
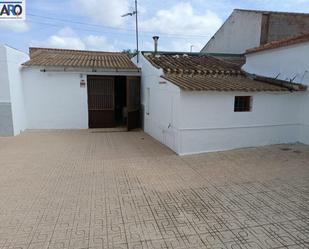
(246, 29)
(286, 59)
(67, 89)
(196, 103)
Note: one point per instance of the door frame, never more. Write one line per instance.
(133, 105)
(133, 109)
(109, 113)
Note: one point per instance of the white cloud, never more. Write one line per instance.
(286, 5)
(182, 19)
(186, 46)
(67, 38)
(107, 12)
(273, 2)
(15, 26)
(99, 42)
(191, 28)
(175, 45)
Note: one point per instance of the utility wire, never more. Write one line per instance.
(77, 28)
(76, 22)
(109, 27)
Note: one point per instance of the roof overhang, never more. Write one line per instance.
(61, 69)
(244, 83)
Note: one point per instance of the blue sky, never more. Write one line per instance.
(97, 24)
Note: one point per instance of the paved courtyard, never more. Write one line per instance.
(94, 189)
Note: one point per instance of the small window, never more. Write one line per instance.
(242, 104)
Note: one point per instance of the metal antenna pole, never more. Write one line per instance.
(136, 27)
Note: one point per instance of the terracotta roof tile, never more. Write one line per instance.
(206, 73)
(79, 58)
(196, 63)
(221, 83)
(299, 38)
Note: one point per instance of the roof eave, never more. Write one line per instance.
(51, 68)
(293, 87)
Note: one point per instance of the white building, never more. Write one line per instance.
(196, 103)
(287, 59)
(67, 89)
(246, 29)
(12, 104)
(192, 103)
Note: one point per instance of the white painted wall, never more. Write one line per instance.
(11, 89)
(55, 100)
(304, 119)
(287, 63)
(208, 121)
(15, 59)
(6, 121)
(242, 30)
(4, 77)
(163, 106)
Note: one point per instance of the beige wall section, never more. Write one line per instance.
(282, 26)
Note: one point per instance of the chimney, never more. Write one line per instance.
(155, 40)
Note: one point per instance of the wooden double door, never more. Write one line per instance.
(102, 101)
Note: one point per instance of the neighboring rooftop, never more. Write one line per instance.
(200, 72)
(238, 59)
(181, 61)
(300, 38)
(79, 59)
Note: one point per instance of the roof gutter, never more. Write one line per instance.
(291, 86)
(84, 70)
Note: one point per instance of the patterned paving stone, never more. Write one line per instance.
(118, 190)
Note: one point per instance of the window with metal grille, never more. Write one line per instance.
(242, 103)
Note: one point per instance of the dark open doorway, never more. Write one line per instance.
(113, 101)
(120, 101)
